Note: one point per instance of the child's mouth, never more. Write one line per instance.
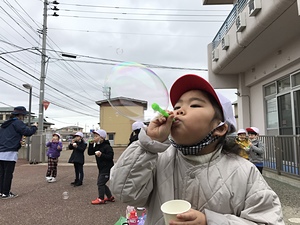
(175, 122)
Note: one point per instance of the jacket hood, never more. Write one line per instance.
(8, 122)
(106, 141)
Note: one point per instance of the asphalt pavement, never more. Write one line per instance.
(42, 203)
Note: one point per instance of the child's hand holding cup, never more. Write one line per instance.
(171, 208)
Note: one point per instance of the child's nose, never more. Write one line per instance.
(180, 111)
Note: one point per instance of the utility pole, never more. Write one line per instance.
(38, 150)
(42, 84)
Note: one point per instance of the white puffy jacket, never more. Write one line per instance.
(229, 189)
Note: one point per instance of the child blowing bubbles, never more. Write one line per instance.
(104, 154)
(199, 166)
(54, 149)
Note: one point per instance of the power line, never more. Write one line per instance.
(112, 62)
(76, 100)
(145, 64)
(141, 8)
(142, 14)
(132, 33)
(52, 102)
(25, 49)
(142, 19)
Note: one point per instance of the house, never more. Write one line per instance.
(66, 133)
(5, 113)
(256, 51)
(117, 120)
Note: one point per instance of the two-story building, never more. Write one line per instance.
(118, 126)
(256, 51)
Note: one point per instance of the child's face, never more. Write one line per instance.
(252, 136)
(194, 115)
(77, 138)
(55, 138)
(242, 136)
(97, 137)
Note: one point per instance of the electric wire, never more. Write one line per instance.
(71, 67)
(141, 8)
(142, 19)
(141, 14)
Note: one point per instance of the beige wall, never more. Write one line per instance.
(112, 122)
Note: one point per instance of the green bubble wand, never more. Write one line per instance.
(157, 108)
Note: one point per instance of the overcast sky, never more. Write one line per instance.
(169, 36)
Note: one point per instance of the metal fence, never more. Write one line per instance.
(282, 154)
(229, 22)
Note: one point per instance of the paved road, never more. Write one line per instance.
(41, 203)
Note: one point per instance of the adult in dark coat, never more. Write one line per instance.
(104, 155)
(78, 145)
(11, 133)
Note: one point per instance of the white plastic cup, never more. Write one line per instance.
(173, 207)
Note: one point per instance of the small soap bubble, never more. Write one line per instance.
(119, 51)
(65, 195)
(131, 88)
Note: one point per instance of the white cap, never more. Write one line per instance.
(241, 131)
(101, 133)
(137, 125)
(252, 130)
(57, 134)
(227, 112)
(80, 134)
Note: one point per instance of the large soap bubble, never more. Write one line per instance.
(131, 88)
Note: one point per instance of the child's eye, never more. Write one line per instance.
(176, 107)
(195, 106)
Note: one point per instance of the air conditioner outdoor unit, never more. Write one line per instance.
(254, 7)
(240, 22)
(225, 42)
(215, 55)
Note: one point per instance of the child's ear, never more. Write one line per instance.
(221, 130)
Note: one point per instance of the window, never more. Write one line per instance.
(111, 136)
(285, 114)
(284, 85)
(297, 111)
(271, 109)
(272, 119)
(296, 79)
(270, 89)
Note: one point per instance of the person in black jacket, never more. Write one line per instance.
(11, 133)
(136, 128)
(104, 155)
(77, 157)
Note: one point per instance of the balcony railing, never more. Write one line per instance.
(230, 20)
